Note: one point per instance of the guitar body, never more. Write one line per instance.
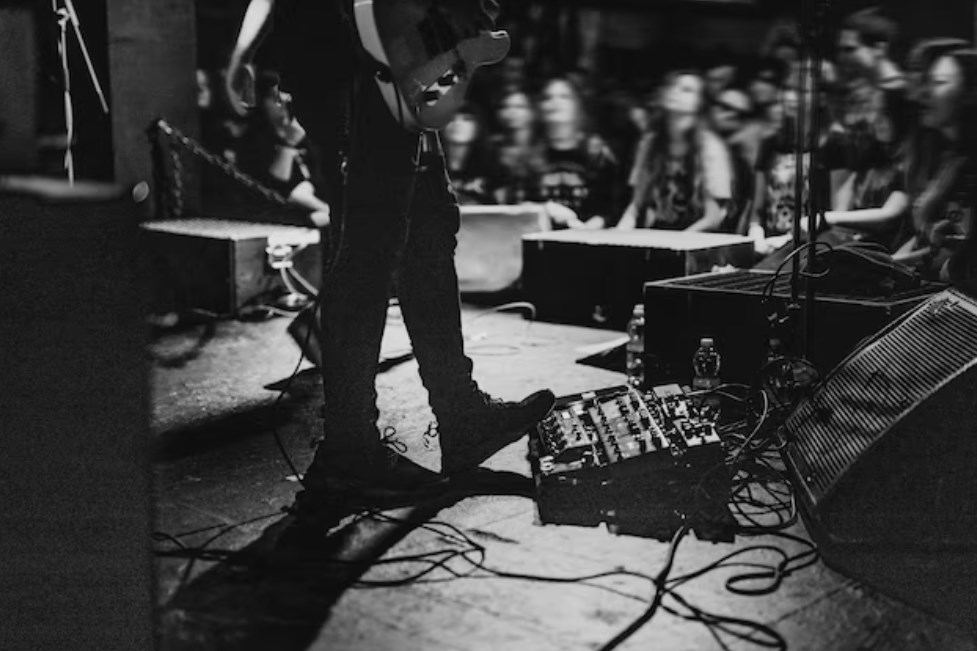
(432, 48)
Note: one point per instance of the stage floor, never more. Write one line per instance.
(221, 483)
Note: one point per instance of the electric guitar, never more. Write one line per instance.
(429, 50)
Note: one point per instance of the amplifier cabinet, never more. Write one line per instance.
(730, 308)
(595, 278)
(221, 265)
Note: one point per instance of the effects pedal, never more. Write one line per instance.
(643, 463)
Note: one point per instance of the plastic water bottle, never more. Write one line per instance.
(636, 347)
(705, 366)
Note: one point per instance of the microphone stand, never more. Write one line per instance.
(819, 184)
(807, 139)
(66, 14)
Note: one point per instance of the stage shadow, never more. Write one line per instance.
(278, 592)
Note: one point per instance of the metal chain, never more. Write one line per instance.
(175, 195)
(186, 143)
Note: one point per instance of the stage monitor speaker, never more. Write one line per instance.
(882, 459)
(18, 88)
(883, 452)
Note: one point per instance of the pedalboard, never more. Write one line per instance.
(642, 463)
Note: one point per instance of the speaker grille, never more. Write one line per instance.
(876, 386)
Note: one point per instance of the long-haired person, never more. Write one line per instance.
(574, 170)
(941, 169)
(471, 164)
(682, 177)
(514, 144)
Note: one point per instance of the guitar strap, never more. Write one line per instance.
(352, 92)
(344, 142)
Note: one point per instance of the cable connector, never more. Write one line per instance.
(280, 255)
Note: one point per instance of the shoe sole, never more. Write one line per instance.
(367, 496)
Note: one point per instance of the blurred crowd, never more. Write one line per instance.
(709, 147)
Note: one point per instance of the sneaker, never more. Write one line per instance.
(469, 437)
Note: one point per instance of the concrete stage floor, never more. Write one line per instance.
(221, 483)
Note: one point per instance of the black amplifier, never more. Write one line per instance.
(643, 463)
(223, 265)
(731, 308)
(594, 278)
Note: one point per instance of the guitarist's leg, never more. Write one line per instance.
(473, 426)
(351, 460)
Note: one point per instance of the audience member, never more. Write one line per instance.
(681, 177)
(765, 81)
(865, 143)
(275, 152)
(783, 42)
(513, 145)
(868, 199)
(941, 175)
(775, 191)
(864, 60)
(574, 169)
(730, 117)
(721, 73)
(921, 57)
(471, 165)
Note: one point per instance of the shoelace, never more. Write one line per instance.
(389, 438)
(491, 401)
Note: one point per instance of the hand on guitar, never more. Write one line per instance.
(255, 18)
(320, 218)
(234, 80)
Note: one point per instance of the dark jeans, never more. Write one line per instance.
(395, 225)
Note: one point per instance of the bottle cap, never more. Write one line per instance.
(707, 342)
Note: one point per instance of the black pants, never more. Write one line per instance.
(401, 226)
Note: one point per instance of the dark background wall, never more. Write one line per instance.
(153, 61)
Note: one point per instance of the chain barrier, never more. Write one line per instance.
(180, 142)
